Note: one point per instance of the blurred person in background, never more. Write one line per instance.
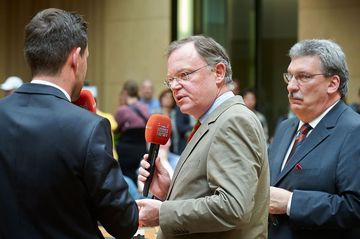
(181, 123)
(108, 116)
(147, 97)
(249, 97)
(131, 117)
(236, 88)
(10, 85)
(356, 105)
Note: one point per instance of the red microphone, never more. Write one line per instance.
(157, 131)
(86, 101)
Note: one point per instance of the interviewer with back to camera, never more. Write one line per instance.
(58, 177)
(315, 192)
(220, 187)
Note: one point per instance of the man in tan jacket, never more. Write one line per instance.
(220, 187)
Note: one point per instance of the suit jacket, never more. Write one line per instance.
(220, 187)
(57, 174)
(323, 176)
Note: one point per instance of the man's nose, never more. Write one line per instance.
(292, 85)
(175, 84)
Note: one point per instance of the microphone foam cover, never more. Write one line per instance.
(158, 129)
(86, 101)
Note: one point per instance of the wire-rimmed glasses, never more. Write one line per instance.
(184, 76)
(300, 78)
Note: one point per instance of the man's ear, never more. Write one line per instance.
(334, 84)
(220, 70)
(75, 58)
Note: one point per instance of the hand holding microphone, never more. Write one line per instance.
(157, 132)
(86, 101)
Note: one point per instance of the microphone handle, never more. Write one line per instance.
(153, 153)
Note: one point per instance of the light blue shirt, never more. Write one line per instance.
(153, 105)
(221, 99)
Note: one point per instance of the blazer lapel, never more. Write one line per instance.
(200, 133)
(202, 130)
(283, 147)
(315, 138)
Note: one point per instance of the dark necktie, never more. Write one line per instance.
(196, 126)
(300, 136)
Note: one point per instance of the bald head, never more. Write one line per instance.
(147, 90)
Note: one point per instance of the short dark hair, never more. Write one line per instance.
(162, 95)
(49, 38)
(246, 91)
(132, 88)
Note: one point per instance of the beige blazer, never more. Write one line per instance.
(220, 187)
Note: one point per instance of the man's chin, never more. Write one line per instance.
(183, 109)
(295, 107)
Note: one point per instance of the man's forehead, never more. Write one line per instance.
(186, 51)
(305, 61)
(312, 58)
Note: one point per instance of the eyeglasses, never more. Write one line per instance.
(184, 76)
(300, 78)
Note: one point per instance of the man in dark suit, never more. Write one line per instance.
(58, 177)
(220, 186)
(314, 170)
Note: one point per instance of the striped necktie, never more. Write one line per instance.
(196, 126)
(300, 136)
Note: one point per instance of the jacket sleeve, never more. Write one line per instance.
(110, 199)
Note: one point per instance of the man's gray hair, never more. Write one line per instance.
(331, 56)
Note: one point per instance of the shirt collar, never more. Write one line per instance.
(42, 82)
(222, 98)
